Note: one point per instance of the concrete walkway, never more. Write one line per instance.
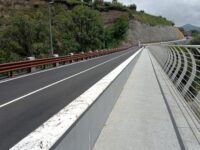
(140, 119)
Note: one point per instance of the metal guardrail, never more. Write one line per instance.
(182, 41)
(182, 65)
(9, 68)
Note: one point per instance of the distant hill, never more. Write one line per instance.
(189, 27)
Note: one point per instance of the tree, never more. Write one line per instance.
(26, 36)
(196, 40)
(120, 28)
(133, 7)
(88, 1)
(116, 33)
(87, 28)
(195, 33)
(64, 40)
(98, 2)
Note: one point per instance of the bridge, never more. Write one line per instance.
(145, 97)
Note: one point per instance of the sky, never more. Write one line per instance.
(179, 11)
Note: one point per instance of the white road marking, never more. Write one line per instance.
(50, 85)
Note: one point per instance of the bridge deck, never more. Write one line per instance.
(140, 119)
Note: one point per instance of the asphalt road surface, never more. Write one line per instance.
(28, 101)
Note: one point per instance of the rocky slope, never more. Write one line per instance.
(146, 33)
(143, 32)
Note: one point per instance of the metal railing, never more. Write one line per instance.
(16, 68)
(182, 65)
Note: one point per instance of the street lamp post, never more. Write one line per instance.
(50, 27)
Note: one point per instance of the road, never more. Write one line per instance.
(27, 102)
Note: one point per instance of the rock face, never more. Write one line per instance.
(143, 32)
(146, 33)
(110, 16)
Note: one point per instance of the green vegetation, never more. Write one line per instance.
(87, 29)
(195, 33)
(150, 19)
(74, 30)
(27, 34)
(116, 33)
(139, 15)
(76, 26)
(196, 40)
(133, 7)
(106, 6)
(70, 2)
(196, 37)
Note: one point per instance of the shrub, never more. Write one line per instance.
(142, 11)
(116, 33)
(196, 40)
(70, 2)
(87, 28)
(6, 56)
(109, 6)
(25, 31)
(88, 1)
(195, 33)
(117, 6)
(133, 7)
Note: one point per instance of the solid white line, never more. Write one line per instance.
(42, 71)
(50, 85)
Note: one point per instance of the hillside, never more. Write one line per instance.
(8, 5)
(145, 33)
(24, 27)
(189, 27)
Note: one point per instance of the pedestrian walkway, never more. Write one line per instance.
(140, 119)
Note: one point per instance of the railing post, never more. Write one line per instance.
(32, 69)
(57, 63)
(10, 74)
(83, 56)
(71, 54)
(139, 44)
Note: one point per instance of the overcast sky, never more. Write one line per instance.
(179, 11)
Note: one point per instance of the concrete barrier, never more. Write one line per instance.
(77, 126)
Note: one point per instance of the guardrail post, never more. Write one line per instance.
(57, 63)
(97, 52)
(83, 56)
(90, 56)
(71, 54)
(10, 74)
(32, 69)
(139, 43)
